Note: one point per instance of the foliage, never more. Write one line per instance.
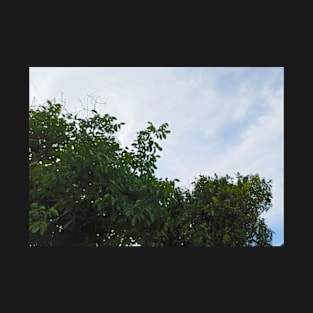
(219, 213)
(86, 190)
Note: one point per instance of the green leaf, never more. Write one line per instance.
(99, 206)
(133, 221)
(34, 206)
(43, 228)
(128, 213)
(34, 228)
(158, 147)
(152, 218)
(54, 212)
(106, 196)
(112, 200)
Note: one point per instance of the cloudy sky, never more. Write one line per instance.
(223, 120)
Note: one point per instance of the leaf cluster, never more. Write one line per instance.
(87, 190)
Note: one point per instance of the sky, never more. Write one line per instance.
(223, 120)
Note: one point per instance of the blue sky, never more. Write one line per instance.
(222, 120)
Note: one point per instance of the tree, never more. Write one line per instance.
(86, 190)
(219, 212)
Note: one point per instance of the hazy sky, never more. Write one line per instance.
(222, 120)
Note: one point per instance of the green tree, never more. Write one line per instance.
(219, 212)
(86, 190)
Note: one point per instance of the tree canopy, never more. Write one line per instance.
(88, 190)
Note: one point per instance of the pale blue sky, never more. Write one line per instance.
(222, 120)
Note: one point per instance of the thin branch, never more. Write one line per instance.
(57, 218)
(68, 223)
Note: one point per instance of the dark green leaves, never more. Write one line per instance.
(145, 146)
(86, 190)
(53, 212)
(34, 227)
(82, 182)
(43, 227)
(38, 226)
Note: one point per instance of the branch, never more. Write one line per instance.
(68, 223)
(57, 218)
